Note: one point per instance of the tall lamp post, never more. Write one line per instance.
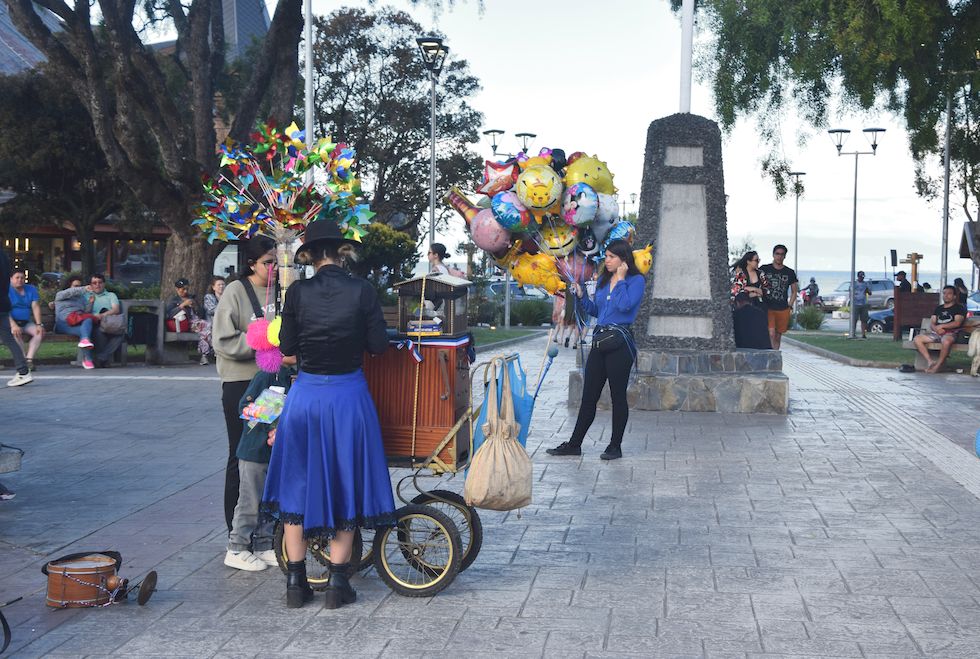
(839, 135)
(493, 134)
(796, 233)
(434, 57)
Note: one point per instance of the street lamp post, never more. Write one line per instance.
(493, 134)
(796, 232)
(434, 57)
(839, 135)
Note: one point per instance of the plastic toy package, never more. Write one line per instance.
(266, 408)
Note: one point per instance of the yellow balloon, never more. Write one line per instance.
(537, 270)
(558, 239)
(591, 170)
(273, 332)
(539, 188)
(643, 259)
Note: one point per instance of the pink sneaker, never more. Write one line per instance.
(88, 365)
(85, 343)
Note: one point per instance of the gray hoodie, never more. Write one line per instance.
(72, 299)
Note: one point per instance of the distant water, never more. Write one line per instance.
(828, 280)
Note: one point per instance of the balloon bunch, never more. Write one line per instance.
(546, 218)
(267, 187)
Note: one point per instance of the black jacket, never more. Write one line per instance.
(330, 320)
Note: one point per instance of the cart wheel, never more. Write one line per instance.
(367, 551)
(464, 517)
(317, 556)
(420, 555)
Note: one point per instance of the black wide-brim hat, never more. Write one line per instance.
(319, 232)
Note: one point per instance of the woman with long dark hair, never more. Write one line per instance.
(962, 292)
(746, 277)
(243, 301)
(328, 474)
(619, 292)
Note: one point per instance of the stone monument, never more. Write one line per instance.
(687, 358)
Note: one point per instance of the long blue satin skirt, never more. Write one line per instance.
(328, 470)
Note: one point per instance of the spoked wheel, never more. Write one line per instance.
(367, 551)
(464, 517)
(317, 556)
(421, 554)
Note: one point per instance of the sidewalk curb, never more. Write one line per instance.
(507, 342)
(830, 354)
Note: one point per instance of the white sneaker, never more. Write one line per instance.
(244, 560)
(19, 379)
(268, 557)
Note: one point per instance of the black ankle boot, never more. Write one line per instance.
(298, 591)
(338, 588)
(565, 448)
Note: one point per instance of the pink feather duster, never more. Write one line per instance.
(269, 360)
(257, 335)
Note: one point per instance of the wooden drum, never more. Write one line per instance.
(80, 580)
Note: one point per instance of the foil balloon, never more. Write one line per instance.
(579, 204)
(505, 260)
(537, 270)
(588, 245)
(488, 234)
(539, 190)
(509, 212)
(643, 259)
(557, 239)
(577, 267)
(466, 209)
(543, 158)
(606, 216)
(497, 177)
(591, 170)
(620, 231)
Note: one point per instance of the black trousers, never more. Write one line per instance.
(600, 367)
(231, 395)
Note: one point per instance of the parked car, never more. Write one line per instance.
(882, 295)
(496, 289)
(881, 322)
(973, 305)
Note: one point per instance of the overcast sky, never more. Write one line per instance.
(592, 77)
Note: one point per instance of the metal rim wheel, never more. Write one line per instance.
(421, 554)
(876, 327)
(317, 556)
(464, 517)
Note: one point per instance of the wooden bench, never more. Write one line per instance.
(170, 348)
(959, 346)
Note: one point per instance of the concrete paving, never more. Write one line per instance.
(848, 528)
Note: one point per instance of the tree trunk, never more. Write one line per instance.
(84, 233)
(186, 255)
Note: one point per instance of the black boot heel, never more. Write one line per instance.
(338, 590)
(298, 591)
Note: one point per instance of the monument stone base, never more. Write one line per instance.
(737, 381)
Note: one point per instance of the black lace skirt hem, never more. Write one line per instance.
(271, 509)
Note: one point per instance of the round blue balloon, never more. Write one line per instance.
(622, 230)
(509, 212)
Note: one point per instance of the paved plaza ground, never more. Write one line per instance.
(850, 528)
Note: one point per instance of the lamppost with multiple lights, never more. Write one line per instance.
(839, 135)
(796, 233)
(434, 57)
(493, 134)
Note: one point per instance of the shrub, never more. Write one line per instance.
(530, 313)
(810, 318)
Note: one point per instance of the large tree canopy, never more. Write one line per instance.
(905, 56)
(374, 93)
(50, 160)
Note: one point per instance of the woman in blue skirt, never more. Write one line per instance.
(328, 474)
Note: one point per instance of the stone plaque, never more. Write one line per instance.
(684, 156)
(698, 326)
(681, 267)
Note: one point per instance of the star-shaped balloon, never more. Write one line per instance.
(498, 177)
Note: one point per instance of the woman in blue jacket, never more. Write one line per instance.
(619, 292)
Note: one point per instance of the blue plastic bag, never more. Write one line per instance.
(523, 403)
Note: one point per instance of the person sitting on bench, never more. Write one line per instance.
(946, 322)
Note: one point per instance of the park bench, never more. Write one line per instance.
(165, 348)
(960, 346)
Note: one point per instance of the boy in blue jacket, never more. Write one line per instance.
(250, 541)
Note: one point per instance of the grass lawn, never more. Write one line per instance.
(64, 352)
(485, 335)
(875, 349)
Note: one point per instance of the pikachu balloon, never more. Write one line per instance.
(538, 270)
(557, 239)
(643, 259)
(539, 190)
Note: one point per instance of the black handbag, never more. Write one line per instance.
(609, 338)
